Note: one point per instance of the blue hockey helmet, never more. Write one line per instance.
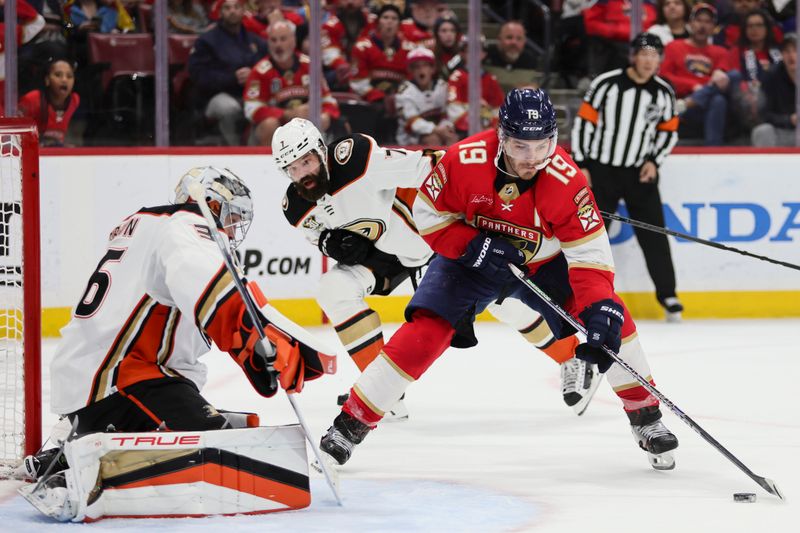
(527, 114)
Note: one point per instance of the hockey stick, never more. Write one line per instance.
(197, 192)
(665, 231)
(767, 484)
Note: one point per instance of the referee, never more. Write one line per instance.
(624, 130)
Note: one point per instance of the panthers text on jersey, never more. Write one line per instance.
(552, 213)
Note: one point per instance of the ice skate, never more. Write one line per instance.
(399, 412)
(345, 433)
(579, 382)
(672, 308)
(51, 497)
(654, 438)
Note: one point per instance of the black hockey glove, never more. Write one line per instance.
(603, 321)
(344, 246)
(490, 256)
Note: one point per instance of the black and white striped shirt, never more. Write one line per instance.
(623, 124)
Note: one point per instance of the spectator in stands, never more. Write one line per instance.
(509, 52)
(277, 88)
(730, 29)
(755, 53)
(269, 11)
(458, 94)
(419, 28)
(91, 16)
(572, 43)
(219, 66)
(53, 105)
(698, 72)
(780, 115)
(351, 23)
(672, 20)
(379, 61)
(609, 29)
(514, 64)
(186, 16)
(422, 104)
(447, 34)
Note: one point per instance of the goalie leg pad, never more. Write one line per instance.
(256, 470)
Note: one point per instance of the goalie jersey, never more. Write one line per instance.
(157, 298)
(371, 192)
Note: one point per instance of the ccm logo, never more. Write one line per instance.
(158, 441)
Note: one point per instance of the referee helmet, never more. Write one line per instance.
(645, 41)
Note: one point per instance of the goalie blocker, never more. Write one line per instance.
(177, 474)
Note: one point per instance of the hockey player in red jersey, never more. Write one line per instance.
(510, 196)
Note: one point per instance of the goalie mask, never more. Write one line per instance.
(527, 131)
(302, 156)
(226, 195)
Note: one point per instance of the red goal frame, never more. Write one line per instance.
(31, 277)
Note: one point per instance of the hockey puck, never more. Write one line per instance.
(748, 497)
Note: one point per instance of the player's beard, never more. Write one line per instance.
(320, 188)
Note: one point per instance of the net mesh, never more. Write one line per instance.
(12, 386)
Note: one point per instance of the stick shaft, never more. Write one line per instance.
(766, 484)
(666, 231)
(250, 306)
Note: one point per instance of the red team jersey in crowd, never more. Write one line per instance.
(458, 99)
(379, 70)
(52, 124)
(555, 211)
(685, 65)
(335, 48)
(413, 32)
(269, 91)
(611, 19)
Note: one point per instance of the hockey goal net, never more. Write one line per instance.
(20, 307)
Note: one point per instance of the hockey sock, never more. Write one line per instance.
(362, 336)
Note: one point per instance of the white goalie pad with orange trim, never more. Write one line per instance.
(177, 474)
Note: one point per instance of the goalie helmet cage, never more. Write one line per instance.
(20, 304)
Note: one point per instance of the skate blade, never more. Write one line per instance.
(662, 461)
(331, 465)
(583, 404)
(399, 413)
(673, 318)
(52, 503)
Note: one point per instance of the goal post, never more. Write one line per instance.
(20, 293)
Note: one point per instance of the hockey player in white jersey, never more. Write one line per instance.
(354, 202)
(421, 103)
(129, 359)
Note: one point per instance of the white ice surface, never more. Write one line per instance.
(491, 447)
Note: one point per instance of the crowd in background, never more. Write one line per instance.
(395, 69)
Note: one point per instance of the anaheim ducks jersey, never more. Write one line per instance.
(156, 299)
(371, 193)
(552, 213)
(420, 111)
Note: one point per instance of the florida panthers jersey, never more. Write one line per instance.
(160, 282)
(371, 193)
(552, 213)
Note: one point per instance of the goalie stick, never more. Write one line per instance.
(665, 231)
(765, 483)
(197, 192)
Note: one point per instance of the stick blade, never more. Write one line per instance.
(770, 486)
(196, 190)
